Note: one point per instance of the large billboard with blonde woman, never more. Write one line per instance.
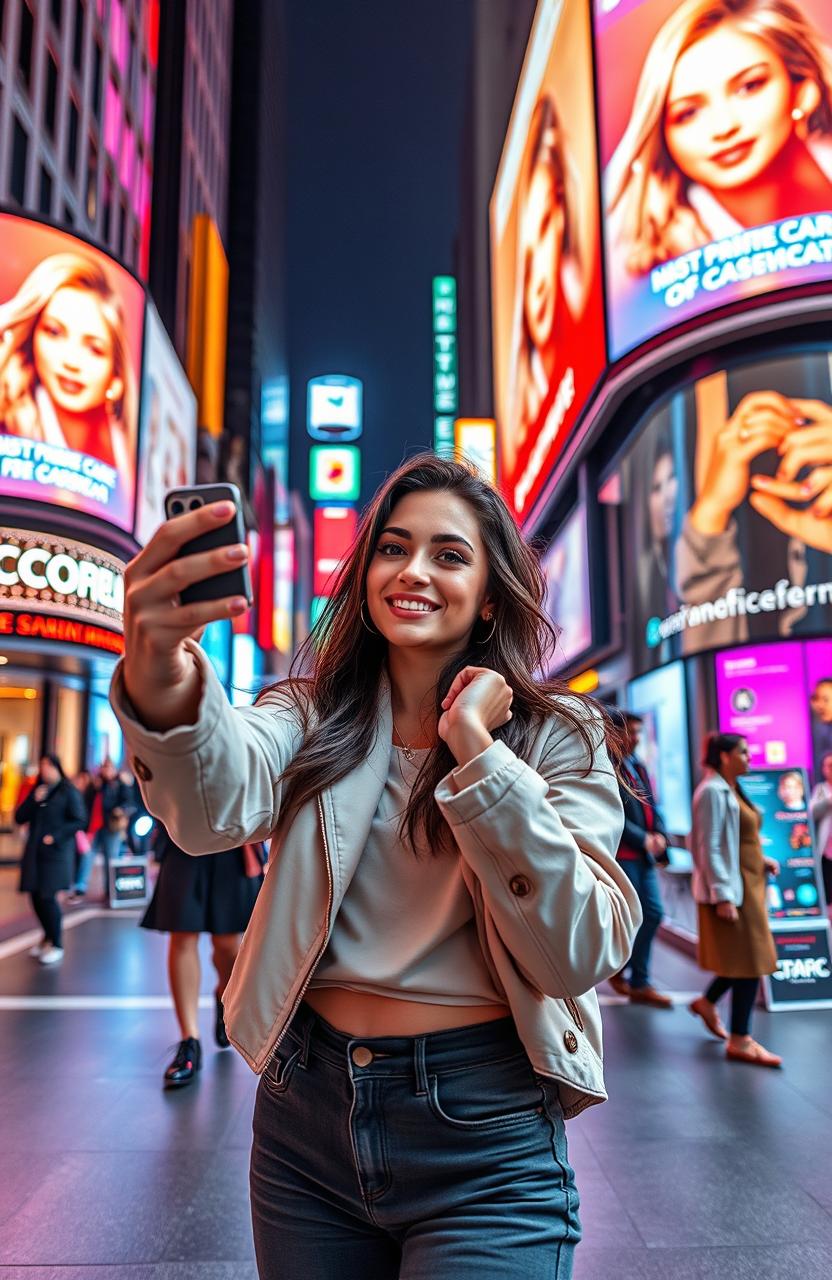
(548, 322)
(70, 354)
(716, 146)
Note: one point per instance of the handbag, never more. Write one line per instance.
(83, 844)
(254, 858)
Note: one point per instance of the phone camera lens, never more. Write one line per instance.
(176, 507)
(194, 504)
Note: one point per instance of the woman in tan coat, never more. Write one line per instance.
(729, 885)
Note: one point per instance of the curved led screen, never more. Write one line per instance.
(727, 495)
(71, 324)
(548, 322)
(715, 128)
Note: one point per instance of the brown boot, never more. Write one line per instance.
(619, 984)
(750, 1051)
(649, 995)
(702, 1008)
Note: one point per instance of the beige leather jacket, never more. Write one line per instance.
(537, 838)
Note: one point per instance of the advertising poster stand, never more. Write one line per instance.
(804, 968)
(129, 884)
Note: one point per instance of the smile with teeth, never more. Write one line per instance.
(413, 606)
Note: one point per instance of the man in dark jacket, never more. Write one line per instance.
(643, 844)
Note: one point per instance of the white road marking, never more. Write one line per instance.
(94, 1002)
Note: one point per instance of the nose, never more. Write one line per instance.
(725, 125)
(414, 571)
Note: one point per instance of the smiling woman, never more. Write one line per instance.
(66, 377)
(731, 127)
(417, 978)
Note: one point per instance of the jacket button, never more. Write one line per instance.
(520, 886)
(571, 1041)
(141, 770)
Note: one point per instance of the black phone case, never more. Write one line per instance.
(236, 582)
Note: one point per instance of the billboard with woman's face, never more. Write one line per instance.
(545, 248)
(727, 496)
(70, 353)
(715, 128)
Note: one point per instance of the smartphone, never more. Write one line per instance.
(234, 582)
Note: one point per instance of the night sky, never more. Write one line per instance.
(375, 100)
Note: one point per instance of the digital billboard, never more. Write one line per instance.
(334, 473)
(547, 305)
(660, 699)
(334, 407)
(57, 590)
(782, 796)
(760, 693)
(565, 565)
(167, 447)
(715, 131)
(70, 353)
(726, 494)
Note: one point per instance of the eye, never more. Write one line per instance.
(390, 548)
(455, 557)
(683, 116)
(752, 86)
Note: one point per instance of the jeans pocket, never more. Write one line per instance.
(488, 1096)
(280, 1068)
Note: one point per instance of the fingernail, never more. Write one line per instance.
(807, 489)
(222, 510)
(239, 604)
(761, 482)
(240, 552)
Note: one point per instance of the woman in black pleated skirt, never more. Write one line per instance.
(194, 895)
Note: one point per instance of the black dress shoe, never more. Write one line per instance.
(220, 1033)
(187, 1061)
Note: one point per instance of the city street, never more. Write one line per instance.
(694, 1169)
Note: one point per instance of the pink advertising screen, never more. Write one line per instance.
(715, 132)
(71, 324)
(761, 694)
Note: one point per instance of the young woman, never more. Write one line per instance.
(416, 981)
(729, 884)
(550, 278)
(65, 372)
(54, 812)
(731, 128)
(193, 896)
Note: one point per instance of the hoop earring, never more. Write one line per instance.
(493, 621)
(367, 627)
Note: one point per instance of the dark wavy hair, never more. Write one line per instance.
(337, 674)
(717, 743)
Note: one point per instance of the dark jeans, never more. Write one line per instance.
(45, 907)
(436, 1157)
(743, 994)
(645, 881)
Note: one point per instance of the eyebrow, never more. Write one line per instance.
(437, 537)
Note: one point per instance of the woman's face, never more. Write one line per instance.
(542, 236)
(426, 584)
(662, 500)
(728, 113)
(735, 762)
(73, 350)
(48, 772)
(826, 768)
(790, 791)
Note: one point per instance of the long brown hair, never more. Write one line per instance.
(338, 700)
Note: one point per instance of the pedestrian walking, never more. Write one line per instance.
(192, 896)
(820, 804)
(729, 885)
(416, 984)
(54, 812)
(643, 845)
(110, 841)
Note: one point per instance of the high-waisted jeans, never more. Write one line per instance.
(435, 1157)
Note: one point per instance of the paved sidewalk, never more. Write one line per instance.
(695, 1169)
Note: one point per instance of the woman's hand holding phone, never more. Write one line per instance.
(160, 677)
